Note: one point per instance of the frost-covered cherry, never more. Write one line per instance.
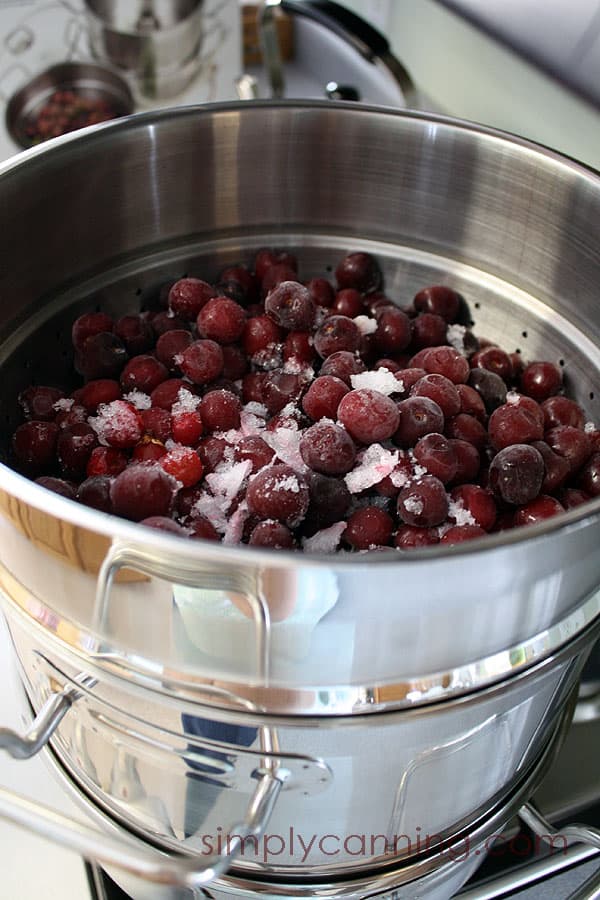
(184, 464)
(270, 533)
(278, 492)
(38, 402)
(369, 527)
(222, 320)
(291, 306)
(516, 474)
(34, 443)
(328, 449)
(368, 416)
(358, 270)
(118, 424)
(423, 502)
(143, 490)
(202, 361)
(188, 296)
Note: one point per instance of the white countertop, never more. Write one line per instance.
(32, 868)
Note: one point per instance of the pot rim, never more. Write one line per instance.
(116, 527)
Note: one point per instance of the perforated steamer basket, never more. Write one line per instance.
(460, 659)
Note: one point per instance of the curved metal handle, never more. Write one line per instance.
(575, 834)
(355, 30)
(369, 42)
(24, 746)
(136, 857)
(180, 571)
(351, 28)
(35, 738)
(269, 41)
(139, 860)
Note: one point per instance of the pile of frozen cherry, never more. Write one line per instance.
(277, 413)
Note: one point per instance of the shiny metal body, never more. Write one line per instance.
(460, 658)
(435, 876)
(178, 191)
(154, 42)
(176, 771)
(92, 81)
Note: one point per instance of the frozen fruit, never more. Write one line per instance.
(288, 413)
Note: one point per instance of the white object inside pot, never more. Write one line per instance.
(217, 627)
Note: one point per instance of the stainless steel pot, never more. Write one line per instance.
(434, 876)
(170, 767)
(371, 800)
(156, 42)
(438, 650)
(508, 224)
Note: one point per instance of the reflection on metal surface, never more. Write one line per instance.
(426, 873)
(78, 750)
(127, 785)
(232, 763)
(323, 701)
(445, 751)
(142, 861)
(122, 555)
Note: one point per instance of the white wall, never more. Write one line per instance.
(472, 76)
